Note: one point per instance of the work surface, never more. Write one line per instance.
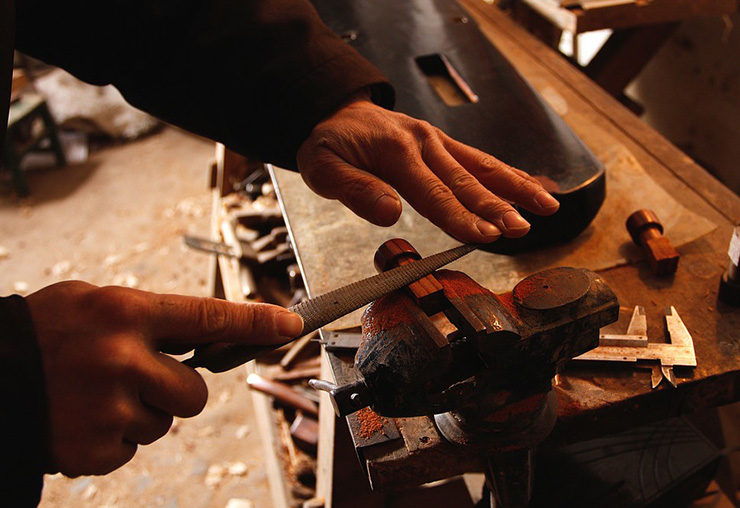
(335, 248)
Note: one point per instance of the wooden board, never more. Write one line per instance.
(579, 16)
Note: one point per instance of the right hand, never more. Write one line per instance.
(109, 387)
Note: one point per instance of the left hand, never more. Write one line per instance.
(362, 152)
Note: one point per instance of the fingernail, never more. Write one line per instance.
(514, 222)
(289, 324)
(545, 200)
(487, 229)
(387, 209)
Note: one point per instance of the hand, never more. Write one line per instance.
(358, 154)
(109, 388)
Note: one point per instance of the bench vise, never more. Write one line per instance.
(481, 363)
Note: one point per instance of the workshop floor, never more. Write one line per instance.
(118, 219)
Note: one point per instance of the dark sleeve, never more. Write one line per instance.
(256, 75)
(23, 425)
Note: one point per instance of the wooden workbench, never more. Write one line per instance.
(335, 248)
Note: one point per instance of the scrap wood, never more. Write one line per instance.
(296, 374)
(305, 431)
(300, 468)
(296, 348)
(283, 393)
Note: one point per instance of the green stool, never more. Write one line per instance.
(22, 138)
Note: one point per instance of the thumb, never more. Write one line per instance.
(329, 176)
(175, 319)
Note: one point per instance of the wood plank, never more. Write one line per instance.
(596, 16)
(564, 19)
(588, 15)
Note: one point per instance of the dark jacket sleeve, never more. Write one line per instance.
(24, 420)
(256, 75)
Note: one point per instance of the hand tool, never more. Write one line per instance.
(323, 309)
(249, 254)
(729, 284)
(206, 245)
(647, 232)
(481, 363)
(244, 253)
(635, 346)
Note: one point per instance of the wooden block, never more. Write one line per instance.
(662, 255)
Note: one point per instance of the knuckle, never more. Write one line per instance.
(491, 165)
(533, 182)
(438, 195)
(521, 186)
(495, 207)
(425, 130)
(464, 183)
(357, 189)
(212, 316)
(119, 415)
(122, 358)
(250, 315)
(121, 306)
(403, 145)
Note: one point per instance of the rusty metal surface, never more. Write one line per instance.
(368, 428)
(548, 290)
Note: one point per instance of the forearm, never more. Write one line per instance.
(24, 424)
(256, 75)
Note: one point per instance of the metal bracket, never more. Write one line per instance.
(342, 342)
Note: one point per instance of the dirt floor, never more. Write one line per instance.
(118, 219)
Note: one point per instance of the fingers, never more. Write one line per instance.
(465, 188)
(149, 425)
(173, 319)
(173, 388)
(329, 176)
(509, 183)
(432, 197)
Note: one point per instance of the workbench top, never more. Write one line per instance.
(335, 248)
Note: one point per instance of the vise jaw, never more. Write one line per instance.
(446, 343)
